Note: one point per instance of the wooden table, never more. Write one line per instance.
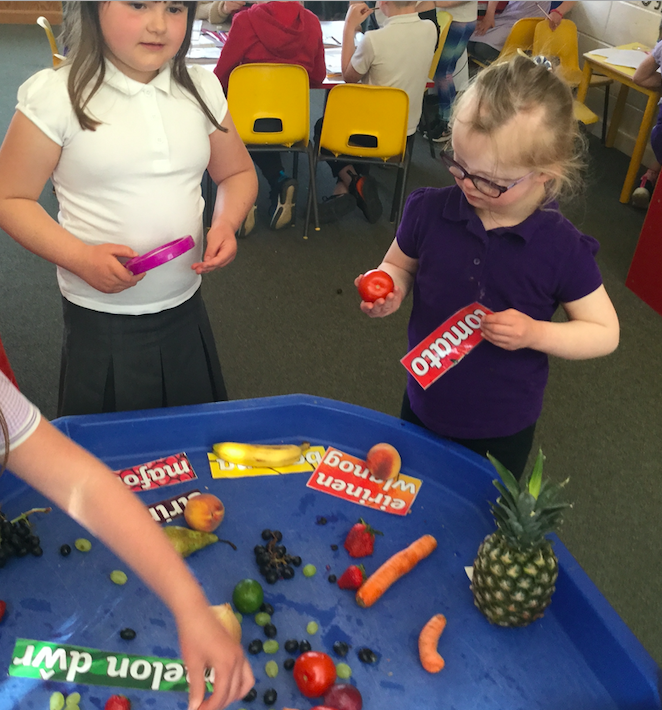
(623, 75)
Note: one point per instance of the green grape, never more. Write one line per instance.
(271, 669)
(309, 570)
(56, 701)
(343, 671)
(312, 628)
(83, 545)
(118, 577)
(72, 701)
(262, 618)
(270, 646)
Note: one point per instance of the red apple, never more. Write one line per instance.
(204, 512)
(383, 461)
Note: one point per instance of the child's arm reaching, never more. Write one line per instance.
(232, 169)
(647, 74)
(402, 270)
(591, 331)
(84, 488)
(27, 159)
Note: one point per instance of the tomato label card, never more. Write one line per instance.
(446, 346)
(225, 469)
(156, 474)
(347, 477)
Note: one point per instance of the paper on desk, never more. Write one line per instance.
(620, 57)
(333, 60)
(204, 53)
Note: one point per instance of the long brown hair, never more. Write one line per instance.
(86, 44)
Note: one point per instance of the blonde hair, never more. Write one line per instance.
(524, 85)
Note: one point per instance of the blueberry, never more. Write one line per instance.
(65, 550)
(332, 578)
(334, 547)
(37, 551)
(267, 608)
(304, 646)
(366, 655)
(270, 696)
(288, 572)
(291, 645)
(320, 520)
(266, 535)
(341, 648)
(250, 696)
(254, 647)
(270, 631)
(288, 664)
(127, 634)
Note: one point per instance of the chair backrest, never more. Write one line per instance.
(561, 43)
(444, 20)
(46, 25)
(520, 37)
(360, 113)
(270, 103)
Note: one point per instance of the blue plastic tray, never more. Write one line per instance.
(580, 655)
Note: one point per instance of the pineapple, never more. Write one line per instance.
(515, 570)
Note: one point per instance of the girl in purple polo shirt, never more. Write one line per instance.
(498, 240)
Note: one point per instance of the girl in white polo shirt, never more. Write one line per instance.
(125, 132)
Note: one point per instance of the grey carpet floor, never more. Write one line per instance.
(286, 318)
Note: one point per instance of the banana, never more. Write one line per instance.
(260, 455)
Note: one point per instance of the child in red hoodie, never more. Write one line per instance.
(281, 32)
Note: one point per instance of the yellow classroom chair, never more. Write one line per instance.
(520, 37)
(270, 106)
(357, 114)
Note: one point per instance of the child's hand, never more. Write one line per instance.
(221, 249)
(510, 329)
(102, 270)
(483, 24)
(205, 644)
(357, 12)
(382, 306)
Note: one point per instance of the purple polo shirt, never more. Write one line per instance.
(532, 267)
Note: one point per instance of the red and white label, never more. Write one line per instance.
(156, 474)
(446, 346)
(166, 510)
(348, 477)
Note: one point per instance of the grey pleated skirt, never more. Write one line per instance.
(116, 362)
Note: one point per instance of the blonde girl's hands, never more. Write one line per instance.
(510, 329)
(206, 644)
(102, 269)
(221, 248)
(382, 306)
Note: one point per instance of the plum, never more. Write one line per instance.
(343, 696)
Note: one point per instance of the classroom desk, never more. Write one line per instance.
(623, 75)
(580, 655)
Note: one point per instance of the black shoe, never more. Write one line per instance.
(641, 197)
(335, 207)
(283, 203)
(364, 188)
(440, 133)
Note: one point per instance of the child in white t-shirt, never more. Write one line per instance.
(126, 132)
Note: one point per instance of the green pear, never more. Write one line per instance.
(187, 541)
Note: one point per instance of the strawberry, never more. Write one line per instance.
(360, 540)
(3, 609)
(352, 578)
(117, 702)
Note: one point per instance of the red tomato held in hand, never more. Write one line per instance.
(375, 284)
(314, 673)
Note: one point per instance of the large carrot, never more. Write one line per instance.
(427, 644)
(396, 566)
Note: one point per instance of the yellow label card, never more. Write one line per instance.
(224, 469)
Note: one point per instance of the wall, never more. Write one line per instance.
(608, 24)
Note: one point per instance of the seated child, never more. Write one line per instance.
(277, 32)
(399, 54)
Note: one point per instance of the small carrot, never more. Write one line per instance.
(427, 644)
(394, 568)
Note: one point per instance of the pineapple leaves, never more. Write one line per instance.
(506, 476)
(536, 476)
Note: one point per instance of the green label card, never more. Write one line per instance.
(88, 666)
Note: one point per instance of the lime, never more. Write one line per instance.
(248, 596)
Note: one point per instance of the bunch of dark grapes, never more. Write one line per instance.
(17, 539)
(272, 558)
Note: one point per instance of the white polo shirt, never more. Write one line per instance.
(399, 54)
(135, 180)
(21, 415)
